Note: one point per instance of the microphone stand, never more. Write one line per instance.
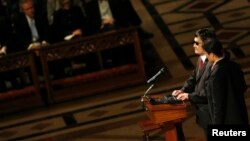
(150, 87)
(146, 96)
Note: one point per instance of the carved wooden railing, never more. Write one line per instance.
(89, 44)
(80, 85)
(98, 81)
(15, 61)
(15, 99)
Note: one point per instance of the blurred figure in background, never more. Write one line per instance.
(69, 23)
(105, 15)
(68, 20)
(53, 5)
(30, 28)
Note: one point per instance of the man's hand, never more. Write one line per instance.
(182, 96)
(45, 43)
(107, 21)
(77, 32)
(34, 46)
(3, 50)
(175, 93)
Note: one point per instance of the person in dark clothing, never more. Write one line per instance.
(68, 23)
(68, 20)
(29, 26)
(225, 87)
(105, 15)
(30, 31)
(194, 88)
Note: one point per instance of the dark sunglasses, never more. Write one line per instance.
(196, 43)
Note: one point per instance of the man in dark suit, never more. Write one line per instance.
(225, 87)
(30, 31)
(193, 89)
(29, 26)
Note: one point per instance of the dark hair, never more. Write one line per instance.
(213, 46)
(205, 33)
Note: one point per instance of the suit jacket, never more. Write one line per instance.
(23, 33)
(122, 11)
(225, 89)
(195, 86)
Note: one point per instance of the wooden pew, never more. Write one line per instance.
(97, 81)
(26, 97)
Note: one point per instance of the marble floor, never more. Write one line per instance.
(113, 115)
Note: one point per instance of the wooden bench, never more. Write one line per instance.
(29, 96)
(100, 80)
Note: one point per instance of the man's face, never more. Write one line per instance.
(198, 46)
(28, 9)
(66, 4)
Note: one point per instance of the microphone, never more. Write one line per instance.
(156, 75)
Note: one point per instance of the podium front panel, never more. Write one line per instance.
(166, 116)
(166, 112)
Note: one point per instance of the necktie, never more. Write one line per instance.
(201, 65)
(33, 29)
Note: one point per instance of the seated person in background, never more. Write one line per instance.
(53, 5)
(69, 21)
(106, 15)
(31, 29)
(100, 16)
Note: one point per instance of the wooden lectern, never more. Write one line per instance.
(166, 115)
